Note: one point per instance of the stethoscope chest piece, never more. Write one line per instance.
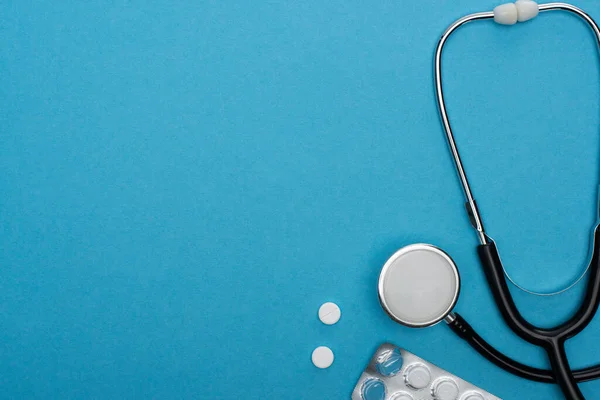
(419, 285)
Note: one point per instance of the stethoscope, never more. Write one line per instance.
(419, 285)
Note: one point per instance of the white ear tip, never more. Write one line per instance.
(506, 14)
(526, 10)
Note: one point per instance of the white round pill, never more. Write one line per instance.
(417, 376)
(445, 389)
(329, 313)
(322, 357)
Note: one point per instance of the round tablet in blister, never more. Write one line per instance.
(389, 362)
(473, 396)
(373, 389)
(417, 376)
(445, 389)
(401, 396)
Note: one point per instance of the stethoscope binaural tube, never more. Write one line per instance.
(551, 340)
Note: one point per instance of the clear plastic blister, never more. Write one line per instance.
(396, 374)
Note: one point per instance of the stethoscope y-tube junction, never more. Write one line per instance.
(552, 340)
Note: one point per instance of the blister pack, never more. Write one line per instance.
(396, 374)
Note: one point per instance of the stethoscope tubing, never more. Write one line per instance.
(551, 340)
(466, 332)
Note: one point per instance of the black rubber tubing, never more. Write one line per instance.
(464, 330)
(552, 340)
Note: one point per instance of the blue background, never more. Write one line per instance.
(184, 183)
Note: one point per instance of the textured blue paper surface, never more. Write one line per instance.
(184, 183)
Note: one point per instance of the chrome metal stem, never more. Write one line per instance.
(450, 318)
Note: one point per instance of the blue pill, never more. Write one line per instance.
(373, 389)
(390, 363)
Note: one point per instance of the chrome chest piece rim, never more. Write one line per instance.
(419, 285)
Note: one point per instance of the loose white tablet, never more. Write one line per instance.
(322, 357)
(329, 313)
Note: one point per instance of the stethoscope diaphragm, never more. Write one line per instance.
(419, 285)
